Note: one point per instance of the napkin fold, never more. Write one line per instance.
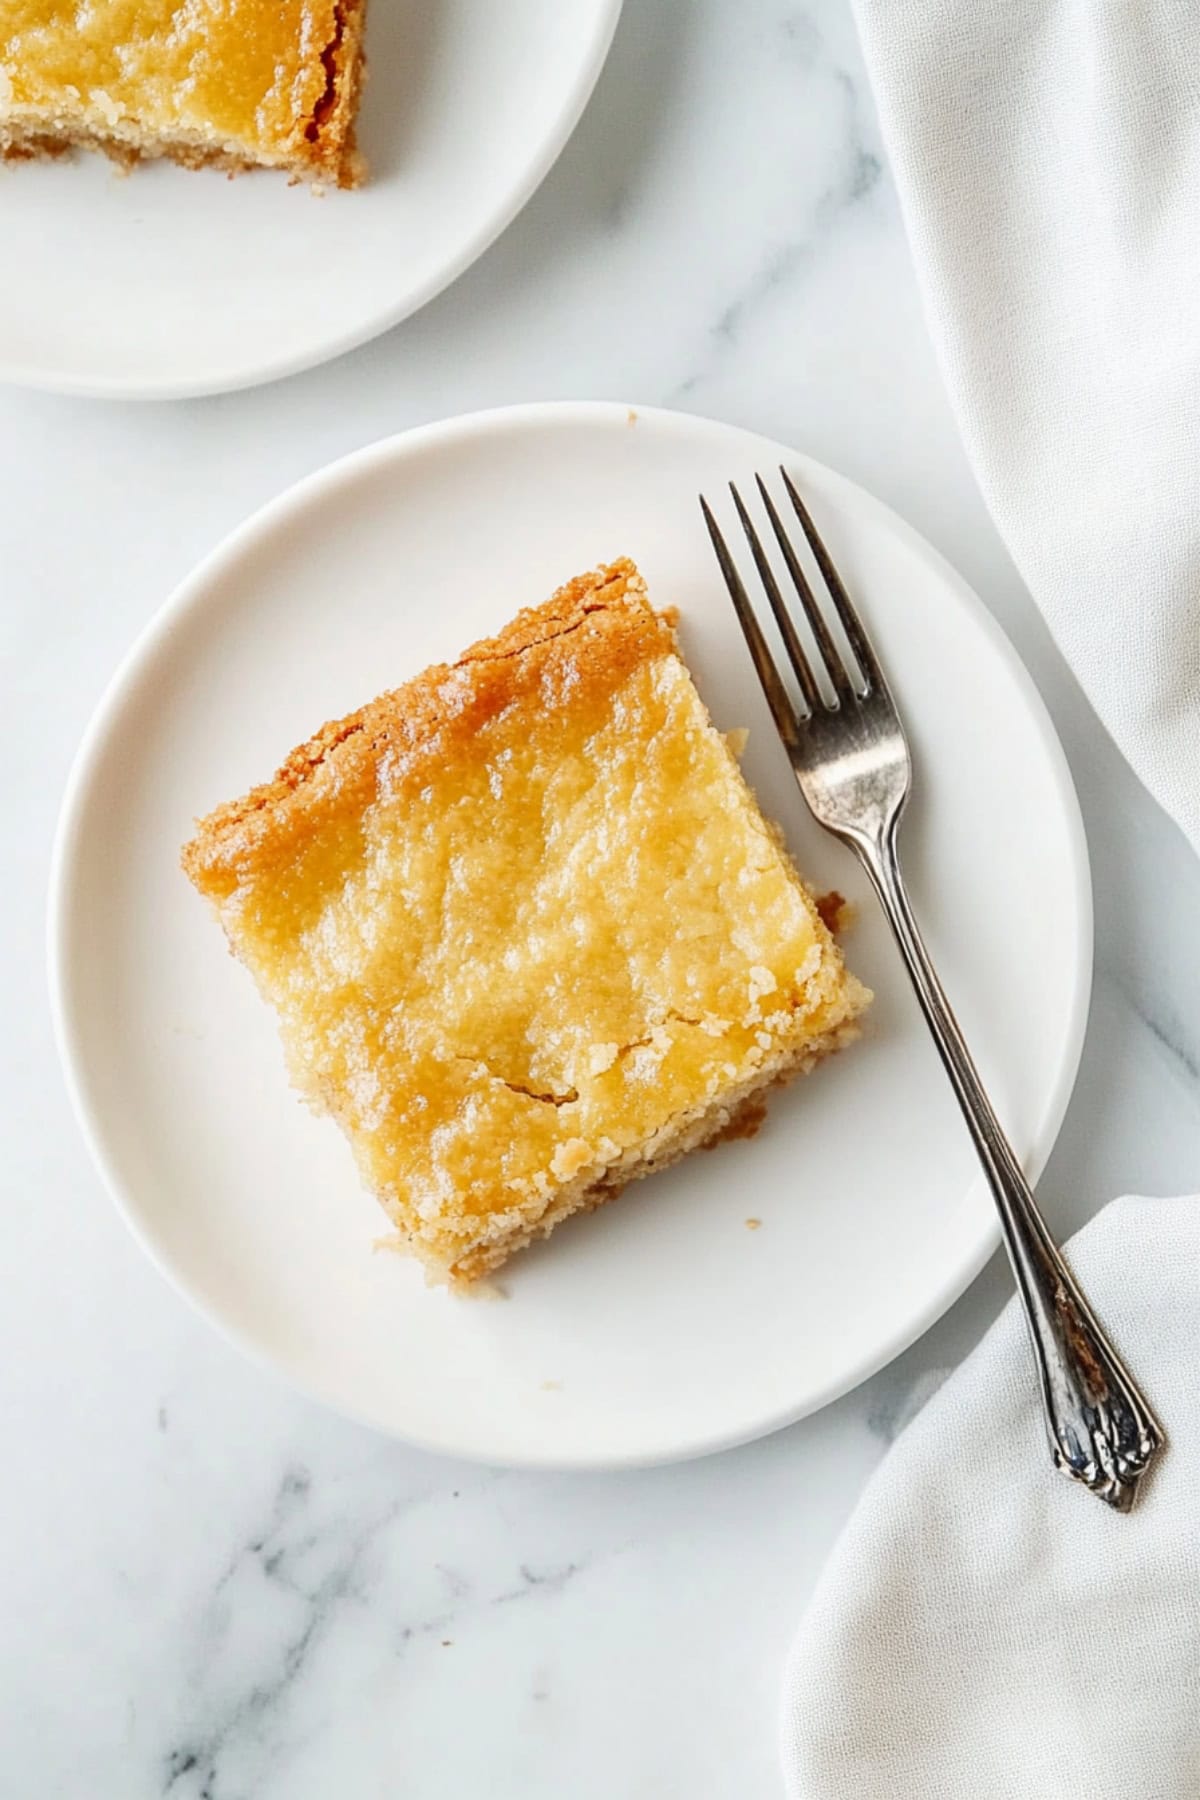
(1047, 156)
(987, 1630)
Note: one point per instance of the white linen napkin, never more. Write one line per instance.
(987, 1630)
(1047, 156)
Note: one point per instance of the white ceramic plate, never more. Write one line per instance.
(170, 283)
(659, 1327)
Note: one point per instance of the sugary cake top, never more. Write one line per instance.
(250, 73)
(520, 915)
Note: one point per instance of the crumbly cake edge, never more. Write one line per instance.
(697, 1128)
(344, 162)
(333, 155)
(624, 630)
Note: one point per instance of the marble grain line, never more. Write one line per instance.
(197, 1758)
(857, 174)
(1167, 1034)
(200, 1763)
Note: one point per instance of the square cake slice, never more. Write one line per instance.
(527, 933)
(239, 83)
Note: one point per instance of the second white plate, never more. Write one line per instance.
(168, 282)
(660, 1327)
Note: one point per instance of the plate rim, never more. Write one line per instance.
(189, 594)
(573, 104)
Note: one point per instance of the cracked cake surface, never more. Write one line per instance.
(239, 83)
(526, 931)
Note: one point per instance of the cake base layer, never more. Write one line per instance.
(188, 152)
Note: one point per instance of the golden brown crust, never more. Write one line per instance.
(583, 641)
(330, 131)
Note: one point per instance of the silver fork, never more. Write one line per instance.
(851, 760)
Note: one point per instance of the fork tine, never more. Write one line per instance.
(768, 674)
(852, 625)
(787, 629)
(843, 686)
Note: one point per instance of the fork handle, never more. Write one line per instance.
(1102, 1431)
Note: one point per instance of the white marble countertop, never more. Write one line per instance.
(213, 1589)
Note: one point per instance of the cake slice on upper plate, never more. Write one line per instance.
(238, 83)
(527, 933)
